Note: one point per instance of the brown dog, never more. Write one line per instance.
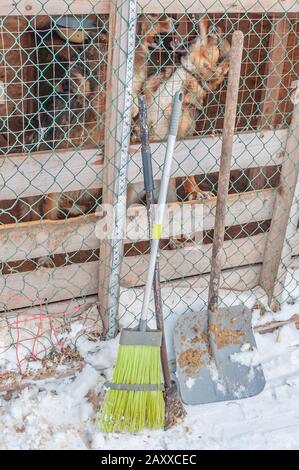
(82, 89)
(204, 64)
(152, 26)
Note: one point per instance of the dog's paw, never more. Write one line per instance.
(200, 195)
(176, 243)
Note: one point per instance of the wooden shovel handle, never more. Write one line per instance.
(225, 166)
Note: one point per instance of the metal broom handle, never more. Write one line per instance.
(150, 200)
(159, 212)
(225, 166)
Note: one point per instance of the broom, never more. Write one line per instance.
(134, 399)
(174, 410)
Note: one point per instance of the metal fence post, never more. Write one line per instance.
(117, 136)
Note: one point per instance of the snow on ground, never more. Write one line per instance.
(60, 414)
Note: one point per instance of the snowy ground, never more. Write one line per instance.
(60, 414)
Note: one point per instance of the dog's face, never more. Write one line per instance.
(153, 27)
(201, 52)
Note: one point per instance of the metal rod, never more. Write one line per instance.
(225, 166)
(159, 213)
(122, 31)
(150, 200)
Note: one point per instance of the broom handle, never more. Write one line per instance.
(150, 200)
(225, 166)
(159, 212)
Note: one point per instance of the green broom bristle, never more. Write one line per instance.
(131, 411)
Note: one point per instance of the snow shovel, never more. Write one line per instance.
(207, 343)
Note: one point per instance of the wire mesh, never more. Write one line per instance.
(55, 103)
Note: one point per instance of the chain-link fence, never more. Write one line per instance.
(70, 159)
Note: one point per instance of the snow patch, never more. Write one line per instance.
(59, 414)
(190, 382)
(246, 358)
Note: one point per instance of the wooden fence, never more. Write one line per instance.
(257, 259)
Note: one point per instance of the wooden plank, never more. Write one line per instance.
(122, 33)
(30, 240)
(270, 100)
(275, 65)
(186, 262)
(218, 6)
(49, 172)
(201, 155)
(40, 239)
(242, 208)
(236, 279)
(69, 308)
(273, 325)
(51, 7)
(70, 170)
(22, 290)
(48, 285)
(278, 249)
(12, 382)
(31, 288)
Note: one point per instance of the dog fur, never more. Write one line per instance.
(202, 70)
(80, 91)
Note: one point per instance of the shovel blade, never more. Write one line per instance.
(209, 366)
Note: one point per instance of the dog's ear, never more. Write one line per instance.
(145, 24)
(183, 46)
(203, 27)
(165, 24)
(215, 31)
(153, 25)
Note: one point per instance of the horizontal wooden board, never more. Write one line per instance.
(39, 239)
(241, 257)
(21, 290)
(71, 308)
(53, 7)
(195, 260)
(30, 240)
(217, 6)
(46, 172)
(50, 7)
(274, 325)
(237, 279)
(48, 285)
(49, 172)
(242, 208)
(17, 382)
(202, 155)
